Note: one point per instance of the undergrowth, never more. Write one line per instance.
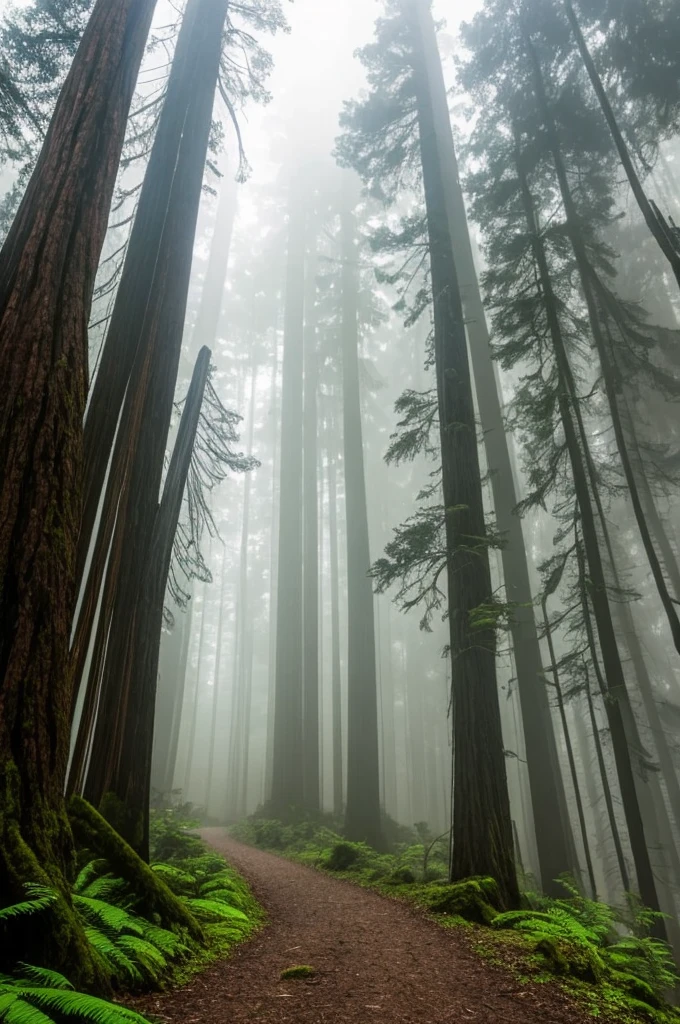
(603, 955)
(133, 951)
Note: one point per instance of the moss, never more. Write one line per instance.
(298, 971)
(59, 941)
(156, 899)
(579, 959)
(126, 823)
(635, 987)
(475, 899)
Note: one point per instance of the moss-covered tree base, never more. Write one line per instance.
(475, 899)
(155, 898)
(58, 940)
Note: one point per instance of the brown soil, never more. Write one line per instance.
(375, 960)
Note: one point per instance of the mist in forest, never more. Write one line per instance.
(374, 424)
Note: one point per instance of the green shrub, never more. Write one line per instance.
(344, 856)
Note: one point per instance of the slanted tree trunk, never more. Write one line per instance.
(169, 693)
(482, 827)
(310, 602)
(127, 328)
(554, 839)
(128, 786)
(362, 813)
(152, 389)
(58, 228)
(287, 755)
(655, 225)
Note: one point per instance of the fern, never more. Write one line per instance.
(106, 915)
(214, 908)
(41, 897)
(113, 957)
(22, 1003)
(43, 976)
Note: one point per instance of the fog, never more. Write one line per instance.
(417, 534)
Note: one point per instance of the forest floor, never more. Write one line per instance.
(375, 960)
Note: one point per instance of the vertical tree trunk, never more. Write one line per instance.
(59, 228)
(173, 742)
(219, 670)
(362, 815)
(554, 841)
(287, 755)
(336, 676)
(238, 740)
(310, 602)
(570, 752)
(597, 586)
(191, 742)
(482, 828)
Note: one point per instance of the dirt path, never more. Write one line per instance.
(376, 961)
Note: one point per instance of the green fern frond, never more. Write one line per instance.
(115, 960)
(41, 897)
(145, 954)
(170, 944)
(109, 889)
(90, 872)
(105, 915)
(15, 1010)
(214, 908)
(57, 1003)
(43, 976)
(224, 896)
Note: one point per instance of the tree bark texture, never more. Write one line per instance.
(59, 228)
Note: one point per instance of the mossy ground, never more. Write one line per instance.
(297, 971)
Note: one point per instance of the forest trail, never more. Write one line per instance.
(376, 960)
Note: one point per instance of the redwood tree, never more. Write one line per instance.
(59, 228)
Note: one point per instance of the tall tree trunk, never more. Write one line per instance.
(171, 764)
(240, 676)
(310, 602)
(336, 676)
(191, 739)
(212, 294)
(154, 376)
(554, 840)
(127, 328)
(615, 679)
(169, 692)
(217, 675)
(482, 828)
(362, 814)
(590, 286)
(570, 751)
(59, 228)
(130, 781)
(287, 755)
(273, 578)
